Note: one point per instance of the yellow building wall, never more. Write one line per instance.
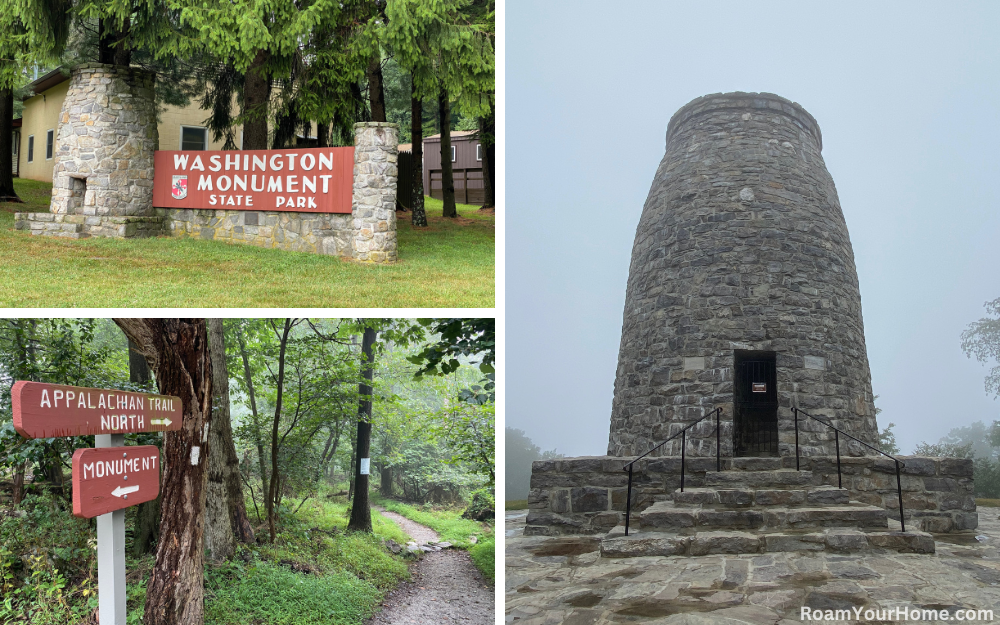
(191, 115)
(41, 114)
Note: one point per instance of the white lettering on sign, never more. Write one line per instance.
(107, 401)
(102, 468)
(291, 184)
(366, 466)
(112, 422)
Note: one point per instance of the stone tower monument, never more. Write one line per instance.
(742, 291)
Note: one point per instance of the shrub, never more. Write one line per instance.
(481, 506)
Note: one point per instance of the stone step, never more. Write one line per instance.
(664, 515)
(746, 497)
(763, 463)
(780, 478)
(638, 544)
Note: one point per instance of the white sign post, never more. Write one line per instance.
(111, 553)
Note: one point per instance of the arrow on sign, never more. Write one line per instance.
(118, 492)
(161, 421)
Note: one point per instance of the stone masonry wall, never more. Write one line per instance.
(587, 495)
(102, 181)
(320, 233)
(374, 206)
(741, 245)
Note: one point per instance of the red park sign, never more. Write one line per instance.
(111, 478)
(48, 410)
(307, 180)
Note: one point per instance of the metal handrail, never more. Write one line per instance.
(683, 435)
(837, 432)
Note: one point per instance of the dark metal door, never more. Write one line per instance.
(755, 401)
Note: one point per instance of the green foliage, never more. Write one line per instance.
(470, 432)
(481, 506)
(887, 440)
(263, 591)
(484, 557)
(47, 564)
(448, 523)
(457, 337)
(982, 340)
(444, 46)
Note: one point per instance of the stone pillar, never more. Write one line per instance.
(102, 179)
(374, 203)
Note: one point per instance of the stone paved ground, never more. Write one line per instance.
(564, 580)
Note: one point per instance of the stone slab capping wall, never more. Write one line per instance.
(741, 245)
(374, 205)
(103, 175)
(587, 495)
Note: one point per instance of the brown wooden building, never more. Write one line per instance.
(466, 162)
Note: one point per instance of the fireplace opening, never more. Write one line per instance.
(755, 404)
(77, 196)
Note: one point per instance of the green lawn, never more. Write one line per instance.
(448, 264)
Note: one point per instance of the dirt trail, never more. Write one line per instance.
(445, 587)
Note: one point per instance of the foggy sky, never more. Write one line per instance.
(908, 100)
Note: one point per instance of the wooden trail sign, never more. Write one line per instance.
(113, 478)
(48, 410)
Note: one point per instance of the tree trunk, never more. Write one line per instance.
(361, 514)
(487, 139)
(114, 47)
(177, 352)
(447, 177)
(272, 497)
(138, 368)
(7, 193)
(18, 494)
(226, 518)
(256, 93)
(419, 216)
(323, 134)
(376, 92)
(354, 461)
(248, 377)
(147, 518)
(386, 487)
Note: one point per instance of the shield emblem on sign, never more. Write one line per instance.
(180, 187)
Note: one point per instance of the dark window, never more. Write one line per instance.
(17, 139)
(479, 151)
(48, 144)
(31, 148)
(453, 154)
(194, 138)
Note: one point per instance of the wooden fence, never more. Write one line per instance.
(468, 183)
